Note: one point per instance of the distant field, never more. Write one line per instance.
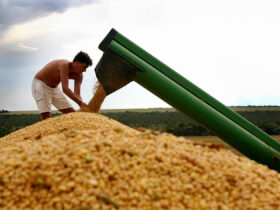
(24, 112)
(104, 111)
(267, 118)
(216, 140)
(235, 108)
(139, 110)
(255, 108)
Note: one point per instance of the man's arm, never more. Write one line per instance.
(77, 85)
(64, 77)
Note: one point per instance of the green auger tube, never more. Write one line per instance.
(173, 75)
(118, 61)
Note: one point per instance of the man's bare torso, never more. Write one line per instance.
(50, 74)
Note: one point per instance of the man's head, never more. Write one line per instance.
(82, 61)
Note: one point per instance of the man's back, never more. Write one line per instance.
(50, 74)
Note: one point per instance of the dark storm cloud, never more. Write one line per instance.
(18, 11)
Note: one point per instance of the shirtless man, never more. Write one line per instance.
(45, 88)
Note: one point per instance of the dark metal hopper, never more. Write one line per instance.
(114, 72)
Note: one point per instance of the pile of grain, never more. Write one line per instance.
(111, 166)
(62, 124)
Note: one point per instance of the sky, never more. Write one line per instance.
(230, 49)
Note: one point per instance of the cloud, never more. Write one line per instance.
(22, 47)
(18, 11)
(15, 58)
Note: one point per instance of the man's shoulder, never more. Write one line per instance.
(61, 61)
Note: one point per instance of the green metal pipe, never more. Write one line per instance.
(189, 104)
(157, 64)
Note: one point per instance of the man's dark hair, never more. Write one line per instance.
(83, 57)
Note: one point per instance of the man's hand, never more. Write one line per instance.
(84, 107)
(83, 104)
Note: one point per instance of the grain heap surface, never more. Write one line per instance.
(120, 168)
(61, 124)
